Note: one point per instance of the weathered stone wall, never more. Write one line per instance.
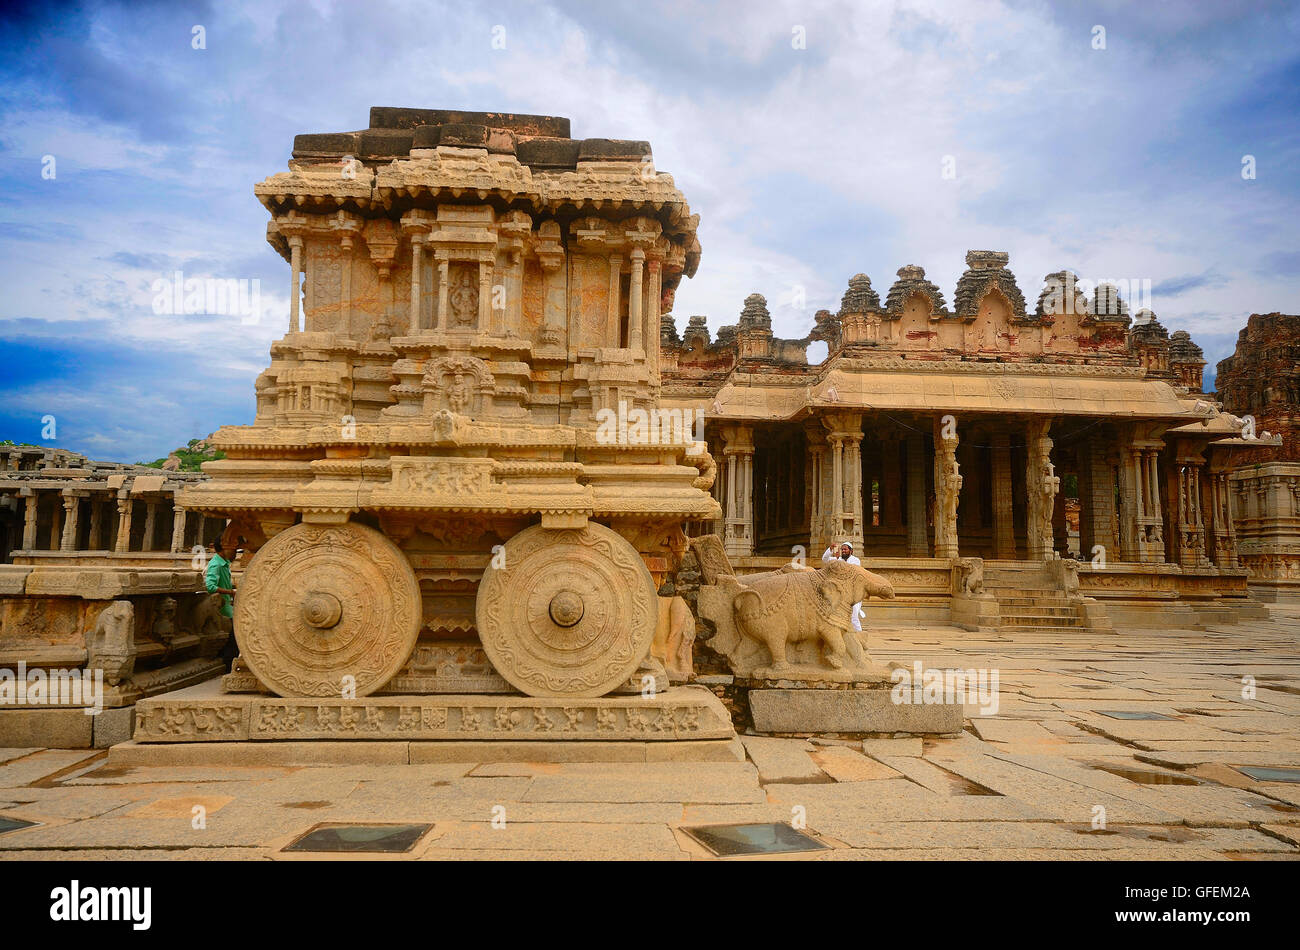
(1262, 379)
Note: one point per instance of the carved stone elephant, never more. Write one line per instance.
(786, 608)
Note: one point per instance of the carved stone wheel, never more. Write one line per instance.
(320, 603)
(571, 612)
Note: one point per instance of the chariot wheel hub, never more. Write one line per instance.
(322, 610)
(566, 608)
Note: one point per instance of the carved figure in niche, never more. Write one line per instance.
(462, 297)
(456, 385)
(676, 635)
(164, 621)
(209, 621)
(459, 394)
(111, 644)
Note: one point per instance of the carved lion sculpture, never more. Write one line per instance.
(802, 618)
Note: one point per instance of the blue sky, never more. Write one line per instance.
(807, 165)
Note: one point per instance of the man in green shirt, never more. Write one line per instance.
(217, 580)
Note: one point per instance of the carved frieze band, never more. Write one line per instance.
(665, 717)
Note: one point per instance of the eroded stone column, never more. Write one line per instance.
(1130, 502)
(150, 525)
(56, 528)
(124, 505)
(71, 506)
(815, 488)
(1097, 495)
(891, 485)
(1004, 534)
(95, 542)
(31, 503)
(178, 529)
(917, 545)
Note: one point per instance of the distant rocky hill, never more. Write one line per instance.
(188, 458)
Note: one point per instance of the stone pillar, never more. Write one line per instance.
(891, 485)
(1041, 486)
(738, 530)
(916, 498)
(844, 433)
(150, 525)
(815, 486)
(178, 529)
(124, 505)
(1004, 534)
(295, 281)
(947, 489)
(635, 289)
(1130, 502)
(71, 505)
(973, 467)
(56, 528)
(31, 503)
(1191, 522)
(1230, 527)
(1151, 539)
(1097, 501)
(653, 298)
(96, 540)
(857, 494)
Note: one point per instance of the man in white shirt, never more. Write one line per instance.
(844, 551)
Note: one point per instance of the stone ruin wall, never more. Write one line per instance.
(1262, 379)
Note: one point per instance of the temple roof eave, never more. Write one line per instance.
(926, 392)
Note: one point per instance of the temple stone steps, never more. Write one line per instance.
(1028, 598)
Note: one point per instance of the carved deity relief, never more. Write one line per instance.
(462, 295)
(462, 385)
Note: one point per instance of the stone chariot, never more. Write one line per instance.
(434, 491)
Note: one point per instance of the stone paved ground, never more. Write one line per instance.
(1028, 782)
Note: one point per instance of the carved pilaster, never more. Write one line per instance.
(947, 489)
(1041, 485)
